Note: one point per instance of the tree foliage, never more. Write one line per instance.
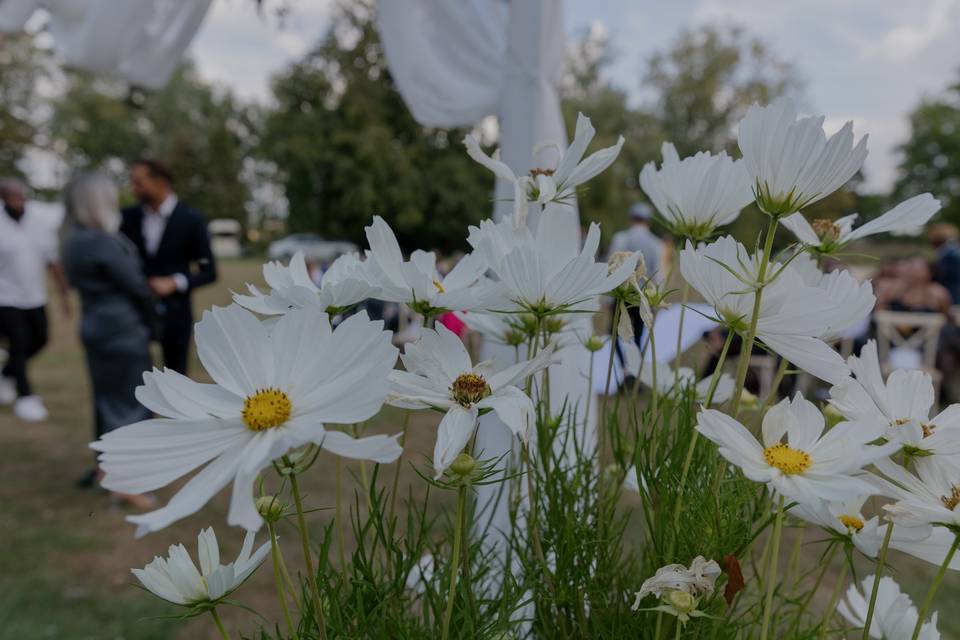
(201, 132)
(348, 147)
(930, 159)
(22, 66)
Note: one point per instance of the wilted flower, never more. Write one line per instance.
(680, 588)
(545, 185)
(811, 465)
(176, 579)
(342, 286)
(894, 616)
(826, 236)
(541, 272)
(416, 282)
(696, 195)
(274, 388)
(798, 311)
(899, 409)
(790, 162)
(439, 375)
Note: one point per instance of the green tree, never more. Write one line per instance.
(22, 67)
(931, 156)
(201, 132)
(348, 148)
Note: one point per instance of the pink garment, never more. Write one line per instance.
(452, 322)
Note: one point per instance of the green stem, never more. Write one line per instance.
(654, 392)
(774, 388)
(928, 601)
(827, 562)
(602, 418)
(308, 557)
(771, 578)
(834, 599)
(684, 298)
(881, 562)
(747, 347)
(396, 472)
(278, 578)
(455, 560)
(338, 512)
(688, 459)
(465, 559)
(216, 618)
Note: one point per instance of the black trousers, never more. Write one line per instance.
(26, 331)
(176, 346)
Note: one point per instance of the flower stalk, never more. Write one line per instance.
(219, 623)
(881, 562)
(455, 558)
(771, 577)
(308, 557)
(928, 600)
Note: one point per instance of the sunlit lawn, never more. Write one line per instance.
(66, 553)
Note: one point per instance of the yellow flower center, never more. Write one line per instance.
(438, 286)
(951, 501)
(852, 523)
(469, 388)
(826, 230)
(541, 172)
(788, 460)
(265, 409)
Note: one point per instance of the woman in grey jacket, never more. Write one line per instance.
(117, 314)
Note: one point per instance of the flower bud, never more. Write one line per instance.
(270, 508)
(682, 601)
(554, 324)
(749, 401)
(593, 343)
(463, 465)
(832, 415)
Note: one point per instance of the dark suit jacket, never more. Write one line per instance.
(947, 270)
(184, 248)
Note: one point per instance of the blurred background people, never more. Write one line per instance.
(28, 248)
(639, 237)
(946, 268)
(173, 243)
(117, 304)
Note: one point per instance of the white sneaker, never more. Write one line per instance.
(30, 409)
(8, 391)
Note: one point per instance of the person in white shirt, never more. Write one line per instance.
(28, 248)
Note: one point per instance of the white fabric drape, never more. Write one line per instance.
(138, 41)
(456, 63)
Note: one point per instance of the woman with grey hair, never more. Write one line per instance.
(117, 314)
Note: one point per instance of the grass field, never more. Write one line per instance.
(66, 553)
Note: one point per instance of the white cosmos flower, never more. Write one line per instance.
(698, 194)
(343, 285)
(545, 185)
(416, 282)
(900, 409)
(440, 375)
(894, 616)
(698, 580)
(177, 580)
(540, 272)
(668, 379)
(799, 310)
(932, 497)
(274, 388)
(790, 162)
(810, 465)
(845, 519)
(827, 236)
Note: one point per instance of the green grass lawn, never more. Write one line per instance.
(66, 553)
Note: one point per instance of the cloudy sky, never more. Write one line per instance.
(869, 61)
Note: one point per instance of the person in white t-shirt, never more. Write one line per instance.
(28, 248)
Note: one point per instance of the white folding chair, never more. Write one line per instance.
(916, 331)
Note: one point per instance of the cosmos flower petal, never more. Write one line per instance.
(379, 448)
(907, 216)
(232, 345)
(514, 409)
(453, 434)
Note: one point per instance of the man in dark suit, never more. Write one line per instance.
(173, 243)
(946, 266)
